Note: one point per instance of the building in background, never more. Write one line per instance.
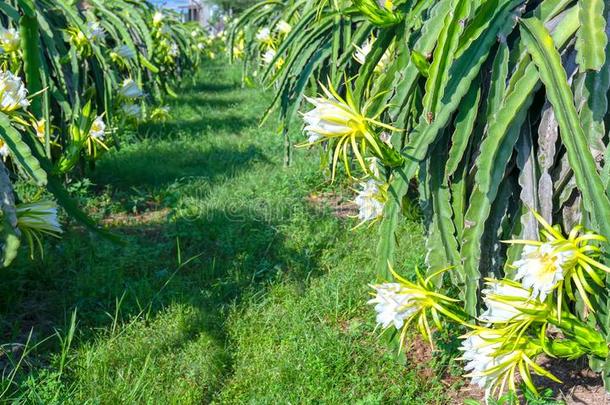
(200, 11)
(197, 10)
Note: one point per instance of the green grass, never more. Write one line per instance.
(231, 287)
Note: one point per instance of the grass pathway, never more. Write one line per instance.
(231, 288)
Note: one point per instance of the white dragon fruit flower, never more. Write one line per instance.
(264, 36)
(98, 128)
(130, 89)
(158, 18)
(505, 302)
(481, 360)
(268, 56)
(493, 356)
(126, 52)
(393, 305)
(40, 216)
(97, 33)
(174, 51)
(10, 40)
(368, 201)
(542, 267)
(329, 118)
(284, 27)
(13, 93)
(363, 52)
(132, 110)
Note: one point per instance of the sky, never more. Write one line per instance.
(171, 3)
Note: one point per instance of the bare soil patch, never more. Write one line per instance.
(339, 205)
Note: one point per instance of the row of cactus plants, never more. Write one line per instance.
(74, 75)
(496, 111)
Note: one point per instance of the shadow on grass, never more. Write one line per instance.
(162, 164)
(203, 102)
(196, 127)
(223, 255)
(211, 87)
